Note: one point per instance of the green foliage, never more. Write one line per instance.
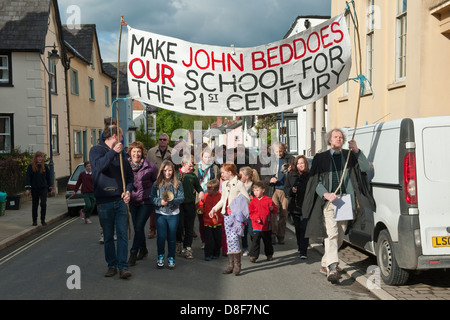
(13, 169)
(141, 136)
(267, 122)
(167, 121)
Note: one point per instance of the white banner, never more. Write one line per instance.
(224, 81)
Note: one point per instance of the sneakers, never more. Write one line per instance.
(188, 253)
(171, 261)
(160, 261)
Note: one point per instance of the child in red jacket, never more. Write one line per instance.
(213, 226)
(260, 209)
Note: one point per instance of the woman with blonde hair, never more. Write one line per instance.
(38, 182)
(167, 195)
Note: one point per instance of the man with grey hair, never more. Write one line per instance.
(274, 177)
(322, 192)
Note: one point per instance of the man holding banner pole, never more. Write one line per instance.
(335, 184)
(111, 198)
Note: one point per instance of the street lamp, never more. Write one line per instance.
(53, 58)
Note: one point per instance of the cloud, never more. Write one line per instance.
(244, 23)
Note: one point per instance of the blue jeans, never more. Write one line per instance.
(166, 229)
(114, 215)
(139, 215)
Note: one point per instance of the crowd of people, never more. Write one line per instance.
(238, 202)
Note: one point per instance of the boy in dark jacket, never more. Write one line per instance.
(261, 208)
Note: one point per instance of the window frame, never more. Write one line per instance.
(74, 82)
(9, 82)
(10, 134)
(91, 89)
(401, 33)
(55, 134)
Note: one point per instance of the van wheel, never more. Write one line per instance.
(390, 272)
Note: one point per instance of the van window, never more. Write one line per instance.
(436, 154)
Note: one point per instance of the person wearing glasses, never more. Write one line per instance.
(161, 152)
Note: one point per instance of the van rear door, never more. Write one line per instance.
(433, 184)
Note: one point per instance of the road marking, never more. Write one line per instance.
(35, 241)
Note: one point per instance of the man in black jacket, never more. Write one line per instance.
(111, 198)
(322, 191)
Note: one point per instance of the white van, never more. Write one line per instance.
(410, 179)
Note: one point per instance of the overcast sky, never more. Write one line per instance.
(244, 23)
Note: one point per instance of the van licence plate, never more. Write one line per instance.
(441, 241)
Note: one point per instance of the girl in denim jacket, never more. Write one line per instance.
(167, 211)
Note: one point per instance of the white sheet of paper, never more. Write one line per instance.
(343, 208)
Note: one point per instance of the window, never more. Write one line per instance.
(369, 39)
(292, 136)
(107, 101)
(5, 69)
(400, 44)
(74, 89)
(55, 135)
(91, 89)
(52, 75)
(93, 58)
(6, 144)
(77, 147)
(93, 137)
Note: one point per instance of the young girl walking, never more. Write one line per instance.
(167, 195)
(232, 188)
(248, 177)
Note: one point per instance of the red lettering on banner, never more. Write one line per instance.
(230, 59)
(309, 42)
(163, 71)
(130, 67)
(324, 36)
(214, 61)
(295, 48)
(211, 61)
(270, 57)
(256, 59)
(337, 31)
(165, 75)
(282, 57)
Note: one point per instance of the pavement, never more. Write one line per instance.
(16, 225)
